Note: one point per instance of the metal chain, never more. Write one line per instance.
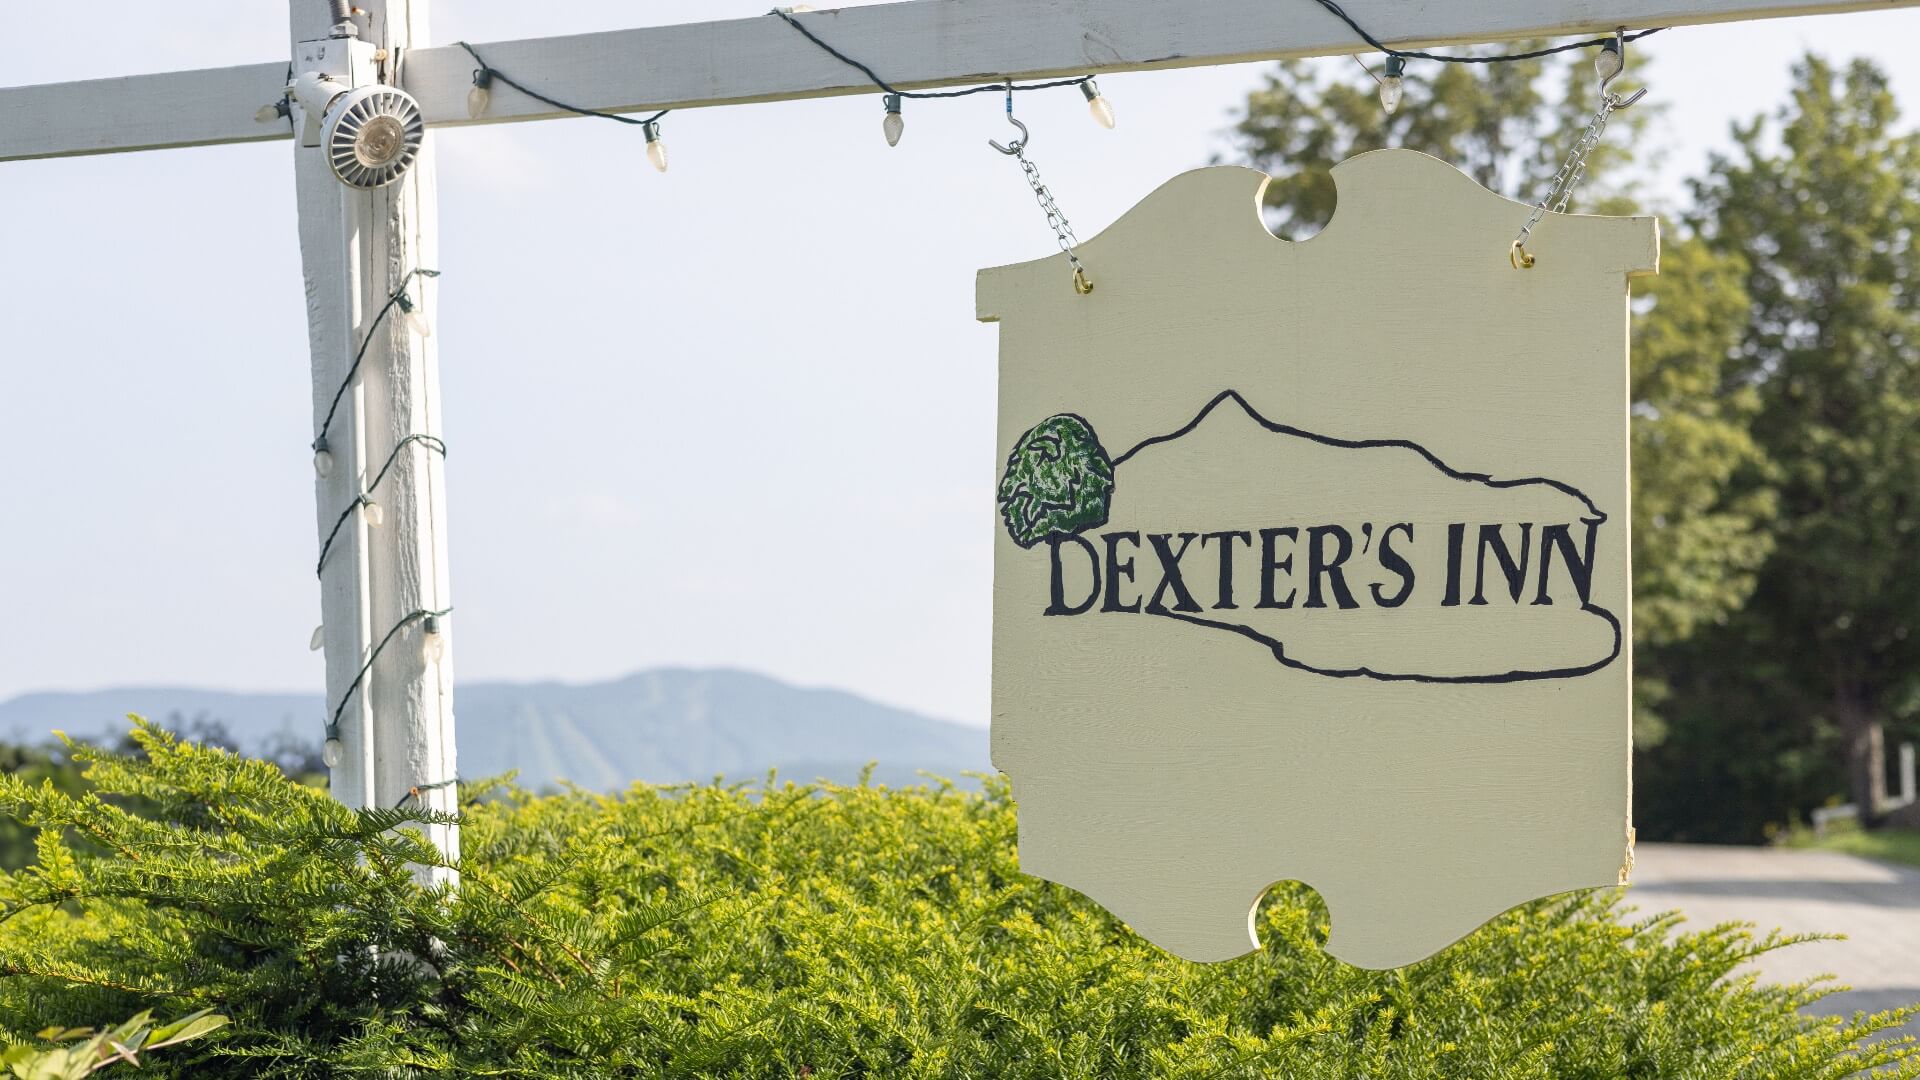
(1568, 178)
(1574, 168)
(1062, 231)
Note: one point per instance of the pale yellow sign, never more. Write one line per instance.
(1312, 559)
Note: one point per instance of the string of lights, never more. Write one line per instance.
(1393, 83)
(786, 15)
(416, 321)
(894, 124)
(279, 108)
(1463, 58)
(364, 503)
(433, 644)
(432, 647)
(1607, 66)
(480, 99)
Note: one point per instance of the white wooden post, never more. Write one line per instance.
(358, 248)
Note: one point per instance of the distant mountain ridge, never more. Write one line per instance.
(665, 725)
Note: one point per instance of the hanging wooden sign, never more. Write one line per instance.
(1312, 559)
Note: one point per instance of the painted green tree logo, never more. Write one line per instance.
(1059, 481)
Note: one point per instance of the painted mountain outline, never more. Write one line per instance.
(1086, 444)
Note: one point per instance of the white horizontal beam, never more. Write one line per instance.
(918, 44)
(140, 112)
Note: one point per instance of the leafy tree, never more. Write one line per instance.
(1699, 537)
(1740, 757)
(718, 931)
(1497, 122)
(1701, 494)
(1823, 206)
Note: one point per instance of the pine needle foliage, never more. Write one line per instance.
(780, 930)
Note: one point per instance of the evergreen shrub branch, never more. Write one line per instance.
(785, 930)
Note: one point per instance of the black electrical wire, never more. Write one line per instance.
(1500, 58)
(397, 299)
(488, 73)
(431, 442)
(875, 79)
(320, 442)
(411, 618)
(1330, 5)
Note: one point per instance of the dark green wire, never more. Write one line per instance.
(431, 441)
(411, 618)
(320, 442)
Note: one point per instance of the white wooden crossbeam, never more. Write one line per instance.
(139, 112)
(919, 44)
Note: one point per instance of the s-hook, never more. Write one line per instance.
(1019, 144)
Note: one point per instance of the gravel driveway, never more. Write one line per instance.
(1877, 905)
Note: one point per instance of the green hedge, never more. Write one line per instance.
(790, 931)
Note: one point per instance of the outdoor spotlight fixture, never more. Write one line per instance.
(371, 135)
(369, 131)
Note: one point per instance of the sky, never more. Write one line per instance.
(738, 414)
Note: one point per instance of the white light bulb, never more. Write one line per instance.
(894, 124)
(1393, 84)
(333, 753)
(322, 463)
(1609, 63)
(433, 644)
(1097, 104)
(656, 146)
(1391, 89)
(479, 99)
(371, 511)
(415, 314)
(318, 639)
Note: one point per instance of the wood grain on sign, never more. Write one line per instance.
(1312, 559)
